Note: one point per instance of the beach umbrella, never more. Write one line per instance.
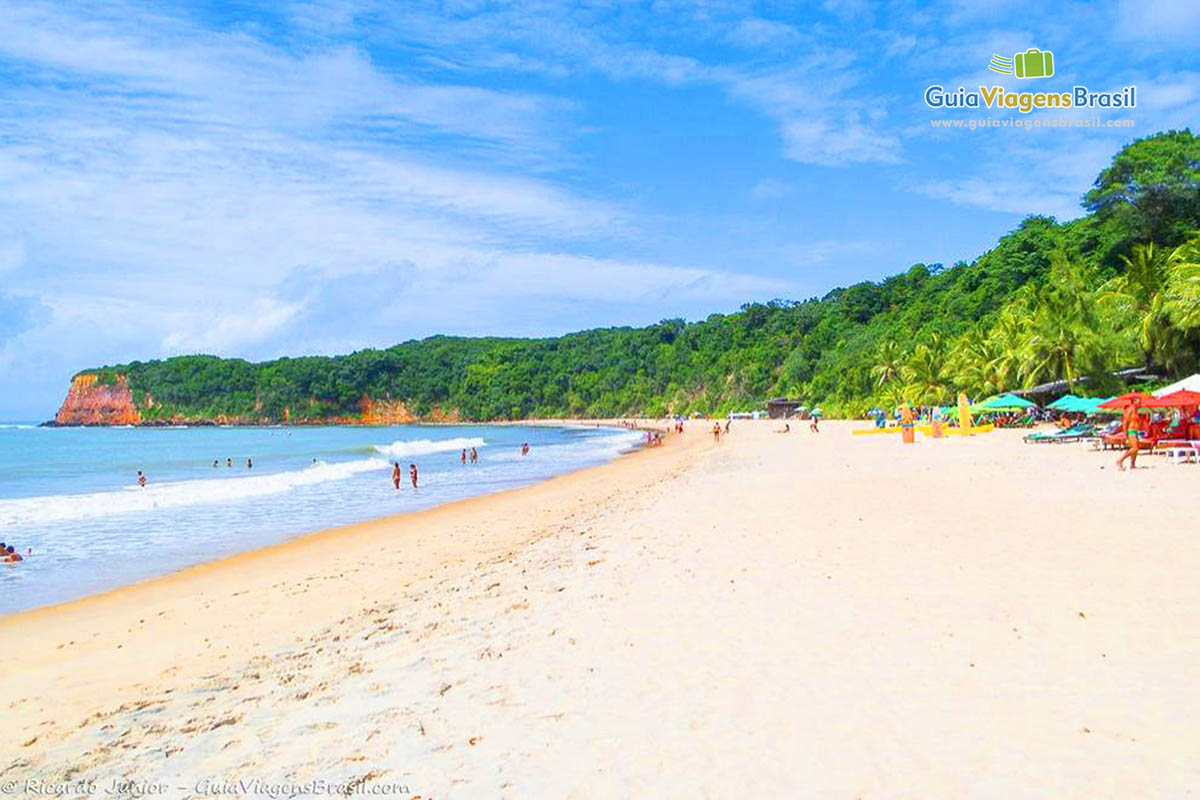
(1123, 400)
(1068, 402)
(1191, 383)
(1004, 402)
(1177, 399)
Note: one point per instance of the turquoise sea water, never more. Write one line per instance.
(71, 494)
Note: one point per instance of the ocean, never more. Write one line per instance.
(71, 494)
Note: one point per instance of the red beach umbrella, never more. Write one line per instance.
(1121, 401)
(1178, 399)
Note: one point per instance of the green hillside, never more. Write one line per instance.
(1119, 287)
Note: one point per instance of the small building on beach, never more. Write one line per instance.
(783, 408)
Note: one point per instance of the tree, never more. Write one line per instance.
(889, 361)
(1139, 299)
(1152, 188)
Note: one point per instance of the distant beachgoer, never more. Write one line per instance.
(141, 478)
(716, 431)
(216, 463)
(787, 428)
(396, 474)
(728, 422)
(412, 473)
(525, 449)
(1131, 423)
(11, 554)
(474, 455)
(815, 425)
(463, 458)
(249, 464)
(229, 462)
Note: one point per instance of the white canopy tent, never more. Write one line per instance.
(1192, 384)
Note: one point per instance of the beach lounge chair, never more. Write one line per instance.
(1179, 452)
(1071, 434)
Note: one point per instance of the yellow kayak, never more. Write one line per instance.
(927, 430)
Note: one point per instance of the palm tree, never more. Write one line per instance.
(1183, 286)
(926, 370)
(1063, 336)
(889, 361)
(1009, 338)
(1140, 297)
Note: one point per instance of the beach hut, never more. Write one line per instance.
(783, 408)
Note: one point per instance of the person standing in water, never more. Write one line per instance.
(463, 457)
(141, 479)
(229, 463)
(474, 455)
(249, 464)
(216, 463)
(525, 449)
(396, 475)
(412, 473)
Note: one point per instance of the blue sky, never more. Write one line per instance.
(284, 178)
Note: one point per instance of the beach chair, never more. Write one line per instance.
(1072, 434)
(1181, 451)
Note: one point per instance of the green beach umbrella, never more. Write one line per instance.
(1004, 402)
(1068, 402)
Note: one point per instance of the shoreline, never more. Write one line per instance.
(250, 569)
(133, 577)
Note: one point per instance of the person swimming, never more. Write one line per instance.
(412, 473)
(11, 555)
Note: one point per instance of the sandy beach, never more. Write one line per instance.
(797, 615)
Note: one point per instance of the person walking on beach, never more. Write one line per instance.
(815, 425)
(412, 473)
(396, 475)
(1131, 423)
(716, 431)
(141, 479)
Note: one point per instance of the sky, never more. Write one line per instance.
(264, 179)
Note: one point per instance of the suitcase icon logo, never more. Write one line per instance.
(1033, 63)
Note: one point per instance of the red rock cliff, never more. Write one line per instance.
(92, 403)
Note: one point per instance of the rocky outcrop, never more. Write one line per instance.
(381, 412)
(90, 402)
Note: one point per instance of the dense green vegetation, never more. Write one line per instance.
(1119, 287)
